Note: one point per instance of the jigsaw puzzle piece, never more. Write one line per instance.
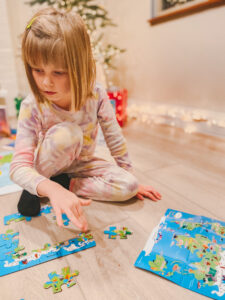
(84, 236)
(113, 232)
(46, 209)
(66, 220)
(7, 243)
(15, 218)
(57, 280)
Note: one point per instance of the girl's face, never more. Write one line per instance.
(54, 84)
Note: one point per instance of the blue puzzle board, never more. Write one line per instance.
(189, 250)
(10, 261)
(13, 256)
(46, 209)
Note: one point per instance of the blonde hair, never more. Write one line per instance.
(60, 38)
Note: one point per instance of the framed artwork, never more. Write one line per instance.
(165, 10)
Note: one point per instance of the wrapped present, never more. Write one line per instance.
(118, 98)
(4, 125)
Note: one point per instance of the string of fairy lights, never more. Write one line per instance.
(188, 118)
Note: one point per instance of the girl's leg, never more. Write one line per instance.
(102, 180)
(60, 146)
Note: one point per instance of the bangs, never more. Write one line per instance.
(44, 51)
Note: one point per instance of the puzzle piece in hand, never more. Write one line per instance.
(66, 220)
(57, 280)
(18, 217)
(113, 232)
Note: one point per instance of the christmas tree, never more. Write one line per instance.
(96, 19)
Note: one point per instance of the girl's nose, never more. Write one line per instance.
(47, 81)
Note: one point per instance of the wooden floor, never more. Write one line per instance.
(187, 169)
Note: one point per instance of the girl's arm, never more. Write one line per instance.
(112, 132)
(22, 169)
(117, 144)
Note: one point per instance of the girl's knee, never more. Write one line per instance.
(65, 135)
(129, 188)
(61, 145)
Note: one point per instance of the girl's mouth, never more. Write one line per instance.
(49, 93)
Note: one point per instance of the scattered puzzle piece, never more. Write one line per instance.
(113, 232)
(57, 280)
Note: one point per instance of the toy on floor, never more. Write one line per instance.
(11, 260)
(57, 280)
(113, 232)
(188, 250)
(46, 209)
(9, 245)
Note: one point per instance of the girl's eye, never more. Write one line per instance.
(59, 73)
(38, 70)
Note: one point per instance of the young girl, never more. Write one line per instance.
(58, 124)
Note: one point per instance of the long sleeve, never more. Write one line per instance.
(112, 132)
(22, 169)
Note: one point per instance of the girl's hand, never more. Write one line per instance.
(149, 192)
(64, 201)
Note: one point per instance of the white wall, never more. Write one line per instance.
(179, 62)
(8, 77)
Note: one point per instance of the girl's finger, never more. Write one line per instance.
(157, 195)
(140, 197)
(83, 221)
(152, 196)
(152, 190)
(74, 219)
(85, 202)
(59, 220)
(77, 210)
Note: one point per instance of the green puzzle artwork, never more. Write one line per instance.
(57, 280)
(13, 259)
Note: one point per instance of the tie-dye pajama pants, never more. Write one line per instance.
(91, 177)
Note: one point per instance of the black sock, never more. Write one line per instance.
(29, 204)
(63, 179)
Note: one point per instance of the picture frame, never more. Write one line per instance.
(165, 10)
